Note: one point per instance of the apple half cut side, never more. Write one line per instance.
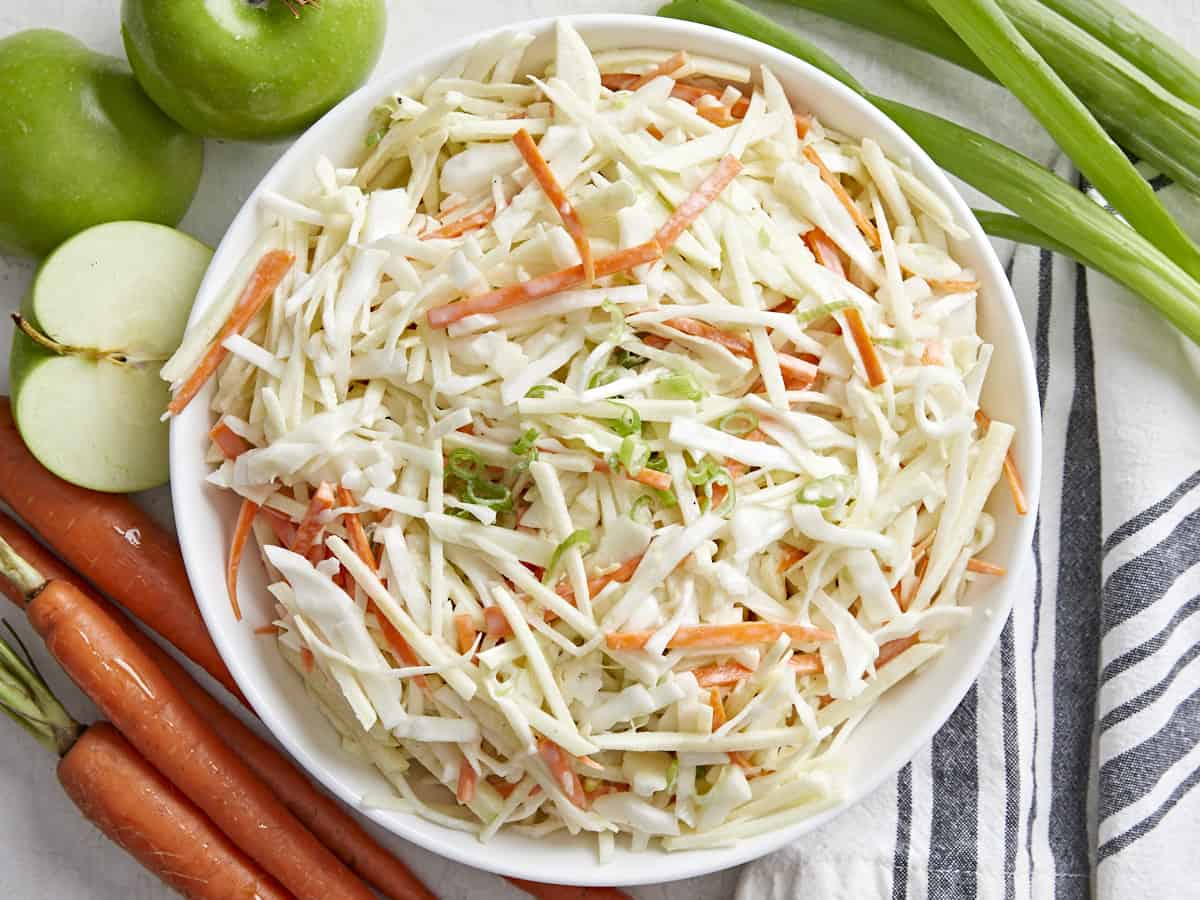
(105, 311)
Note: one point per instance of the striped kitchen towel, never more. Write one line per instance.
(1070, 770)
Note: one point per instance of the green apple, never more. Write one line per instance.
(105, 311)
(82, 144)
(251, 69)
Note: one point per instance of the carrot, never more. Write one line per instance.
(984, 568)
(892, 649)
(734, 635)
(951, 286)
(155, 717)
(866, 349)
(459, 227)
(241, 531)
(263, 281)
(705, 193)
(231, 444)
(320, 813)
(566, 892)
(140, 811)
(721, 674)
(689, 93)
(114, 544)
(650, 477)
(311, 526)
(716, 112)
(354, 527)
(465, 792)
(714, 700)
(666, 67)
(597, 583)
(558, 199)
(803, 123)
(495, 624)
(542, 286)
(791, 556)
(735, 344)
(806, 663)
(464, 626)
(825, 250)
(1012, 474)
(560, 767)
(864, 224)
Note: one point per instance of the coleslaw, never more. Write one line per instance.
(611, 437)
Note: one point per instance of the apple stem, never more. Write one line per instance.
(117, 357)
(294, 6)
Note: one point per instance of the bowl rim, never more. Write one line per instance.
(659, 866)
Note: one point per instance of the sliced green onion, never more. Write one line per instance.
(642, 509)
(460, 513)
(607, 375)
(680, 386)
(824, 492)
(491, 494)
(823, 311)
(627, 359)
(665, 498)
(617, 315)
(524, 444)
(629, 423)
(704, 471)
(633, 455)
(464, 463)
(540, 390)
(574, 539)
(738, 422)
(726, 480)
(657, 462)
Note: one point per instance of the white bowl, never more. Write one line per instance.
(903, 721)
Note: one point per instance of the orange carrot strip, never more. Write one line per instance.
(951, 286)
(652, 478)
(464, 627)
(735, 344)
(558, 199)
(1012, 474)
(984, 568)
(864, 224)
(866, 349)
(265, 278)
(798, 373)
(705, 193)
(354, 527)
(717, 113)
(666, 67)
(689, 93)
(560, 767)
(791, 556)
(241, 531)
(803, 123)
(542, 286)
(231, 444)
(597, 583)
(892, 649)
(825, 250)
(495, 623)
(311, 525)
(467, 777)
(714, 700)
(720, 674)
(459, 227)
(806, 663)
(716, 636)
(267, 629)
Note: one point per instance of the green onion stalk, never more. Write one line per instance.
(26, 699)
(1054, 213)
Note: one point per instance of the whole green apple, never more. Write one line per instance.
(82, 144)
(251, 69)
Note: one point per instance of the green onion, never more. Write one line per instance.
(824, 492)
(657, 462)
(524, 448)
(722, 477)
(986, 30)
(27, 700)
(490, 494)
(665, 498)
(680, 386)
(704, 471)
(643, 504)
(633, 455)
(823, 311)
(460, 513)
(627, 359)
(540, 390)
(1013, 228)
(607, 375)
(629, 422)
(464, 463)
(738, 422)
(618, 319)
(574, 539)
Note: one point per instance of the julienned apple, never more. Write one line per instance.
(251, 69)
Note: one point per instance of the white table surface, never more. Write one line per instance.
(46, 849)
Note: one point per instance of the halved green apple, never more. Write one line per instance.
(105, 311)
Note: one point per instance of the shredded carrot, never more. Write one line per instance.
(263, 281)
(558, 199)
(459, 227)
(806, 663)
(241, 531)
(654, 131)
(798, 373)
(715, 636)
(542, 286)
(919, 572)
(606, 787)
(467, 777)
(495, 623)
(267, 629)
(739, 759)
(984, 568)
(951, 286)
(864, 224)
(892, 649)
(655, 340)
(720, 674)
(736, 468)
(825, 250)
(803, 123)
(597, 583)
(791, 556)
(311, 525)
(354, 527)
(464, 627)
(716, 112)
(689, 93)
(866, 349)
(281, 525)
(735, 344)
(666, 67)
(560, 767)
(307, 659)
(705, 193)
(650, 477)
(231, 444)
(714, 700)
(1012, 474)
